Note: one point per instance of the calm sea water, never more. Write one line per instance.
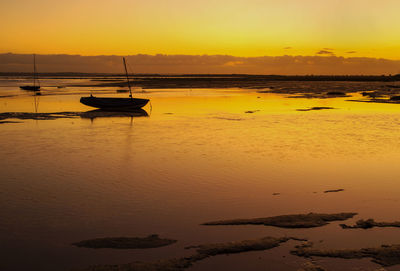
(197, 157)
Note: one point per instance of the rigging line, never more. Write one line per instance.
(34, 70)
(127, 78)
(131, 71)
(35, 76)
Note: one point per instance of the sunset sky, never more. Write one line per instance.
(242, 28)
(233, 27)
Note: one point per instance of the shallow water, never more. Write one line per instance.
(198, 157)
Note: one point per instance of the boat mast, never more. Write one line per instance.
(34, 70)
(127, 77)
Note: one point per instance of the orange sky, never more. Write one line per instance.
(350, 28)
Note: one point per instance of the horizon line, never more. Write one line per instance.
(230, 55)
(71, 73)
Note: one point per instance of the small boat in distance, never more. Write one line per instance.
(36, 85)
(116, 104)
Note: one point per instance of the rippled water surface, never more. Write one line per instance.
(197, 157)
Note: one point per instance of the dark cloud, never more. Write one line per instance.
(328, 49)
(325, 52)
(324, 63)
(351, 52)
(288, 48)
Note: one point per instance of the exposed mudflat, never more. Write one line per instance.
(68, 115)
(382, 101)
(334, 86)
(334, 190)
(150, 241)
(315, 108)
(203, 251)
(7, 121)
(370, 223)
(7, 96)
(161, 265)
(310, 266)
(288, 221)
(386, 255)
(38, 116)
(242, 246)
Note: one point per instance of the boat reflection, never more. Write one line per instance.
(98, 113)
(36, 97)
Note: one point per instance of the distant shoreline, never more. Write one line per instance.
(196, 77)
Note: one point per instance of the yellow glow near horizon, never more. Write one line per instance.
(235, 27)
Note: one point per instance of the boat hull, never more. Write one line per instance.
(114, 104)
(31, 88)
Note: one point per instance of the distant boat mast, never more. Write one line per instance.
(127, 77)
(34, 71)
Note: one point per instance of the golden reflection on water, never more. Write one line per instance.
(198, 157)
